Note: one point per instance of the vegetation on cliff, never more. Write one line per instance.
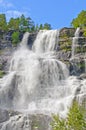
(75, 119)
(80, 21)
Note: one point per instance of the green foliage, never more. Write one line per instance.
(15, 38)
(13, 24)
(36, 27)
(58, 123)
(75, 119)
(41, 27)
(84, 34)
(26, 24)
(84, 31)
(3, 24)
(80, 20)
(22, 24)
(47, 26)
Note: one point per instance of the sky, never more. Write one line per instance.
(58, 13)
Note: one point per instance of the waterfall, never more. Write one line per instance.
(37, 81)
(46, 41)
(75, 41)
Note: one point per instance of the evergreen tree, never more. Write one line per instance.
(13, 24)
(47, 26)
(3, 23)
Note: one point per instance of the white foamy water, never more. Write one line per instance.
(46, 41)
(75, 41)
(37, 81)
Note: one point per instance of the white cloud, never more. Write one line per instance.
(10, 10)
(14, 14)
(5, 4)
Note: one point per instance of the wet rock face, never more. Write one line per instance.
(11, 120)
(65, 43)
(77, 67)
(31, 39)
(77, 63)
(5, 57)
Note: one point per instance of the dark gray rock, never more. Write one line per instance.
(31, 39)
(4, 115)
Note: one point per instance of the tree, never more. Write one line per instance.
(41, 27)
(75, 120)
(80, 20)
(31, 26)
(3, 23)
(15, 38)
(47, 26)
(23, 23)
(26, 24)
(13, 24)
(37, 28)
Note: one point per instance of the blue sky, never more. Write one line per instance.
(58, 13)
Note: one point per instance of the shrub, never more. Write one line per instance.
(84, 34)
(15, 38)
(75, 120)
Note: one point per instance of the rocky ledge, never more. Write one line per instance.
(14, 120)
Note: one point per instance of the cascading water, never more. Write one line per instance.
(37, 81)
(75, 39)
(46, 41)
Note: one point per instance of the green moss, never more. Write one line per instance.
(81, 65)
(1, 52)
(84, 49)
(66, 41)
(65, 45)
(65, 36)
(80, 49)
(2, 73)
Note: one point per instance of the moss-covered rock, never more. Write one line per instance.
(2, 73)
(67, 32)
(65, 44)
